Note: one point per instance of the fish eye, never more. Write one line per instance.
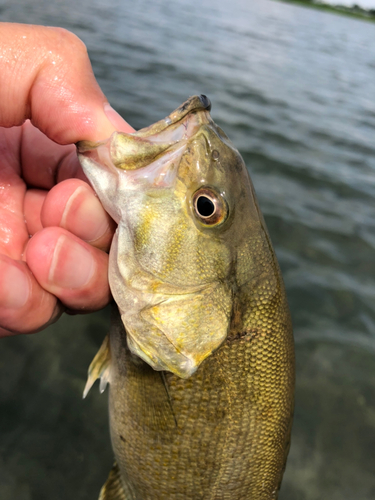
(210, 207)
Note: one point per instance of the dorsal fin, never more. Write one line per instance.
(113, 488)
(99, 368)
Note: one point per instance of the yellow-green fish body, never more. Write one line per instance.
(200, 357)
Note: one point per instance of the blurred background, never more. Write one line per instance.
(294, 88)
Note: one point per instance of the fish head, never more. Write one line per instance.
(186, 212)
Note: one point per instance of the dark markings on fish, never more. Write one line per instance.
(205, 101)
(162, 374)
(245, 335)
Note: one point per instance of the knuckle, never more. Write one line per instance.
(66, 37)
(65, 47)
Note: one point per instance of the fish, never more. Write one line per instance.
(200, 354)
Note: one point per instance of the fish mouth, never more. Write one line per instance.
(130, 152)
(193, 105)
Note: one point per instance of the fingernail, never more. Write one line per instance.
(14, 288)
(84, 212)
(72, 265)
(117, 120)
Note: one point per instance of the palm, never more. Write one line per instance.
(30, 167)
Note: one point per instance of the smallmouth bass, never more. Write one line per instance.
(200, 356)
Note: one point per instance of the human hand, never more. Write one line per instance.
(46, 76)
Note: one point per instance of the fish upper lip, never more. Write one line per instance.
(206, 102)
(193, 104)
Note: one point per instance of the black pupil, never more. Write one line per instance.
(205, 206)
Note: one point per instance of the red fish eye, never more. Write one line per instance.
(210, 207)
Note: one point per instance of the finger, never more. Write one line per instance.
(46, 69)
(13, 234)
(25, 307)
(73, 205)
(69, 268)
(34, 199)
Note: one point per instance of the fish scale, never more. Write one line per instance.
(229, 442)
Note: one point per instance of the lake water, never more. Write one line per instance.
(295, 91)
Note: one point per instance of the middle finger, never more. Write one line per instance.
(73, 205)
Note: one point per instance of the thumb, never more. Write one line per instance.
(46, 75)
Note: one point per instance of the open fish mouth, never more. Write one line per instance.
(146, 155)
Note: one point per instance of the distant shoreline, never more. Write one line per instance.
(355, 11)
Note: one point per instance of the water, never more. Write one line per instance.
(295, 90)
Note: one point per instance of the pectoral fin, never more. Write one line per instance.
(113, 488)
(99, 368)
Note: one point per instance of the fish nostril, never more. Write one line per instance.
(205, 102)
(215, 155)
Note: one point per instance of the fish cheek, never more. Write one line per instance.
(161, 237)
(168, 244)
(195, 324)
